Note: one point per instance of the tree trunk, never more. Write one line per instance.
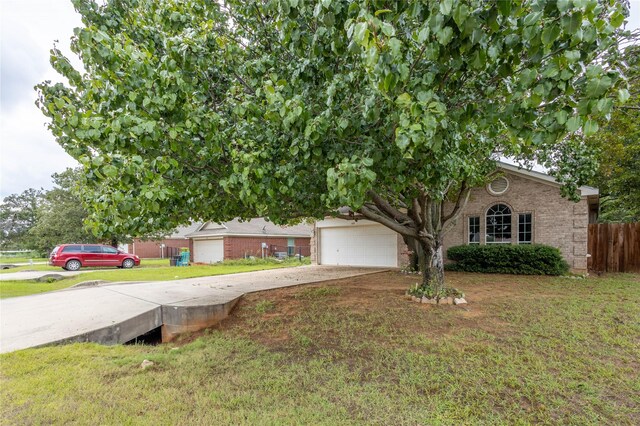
(431, 264)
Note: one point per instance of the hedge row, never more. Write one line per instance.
(530, 259)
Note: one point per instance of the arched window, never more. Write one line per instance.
(498, 224)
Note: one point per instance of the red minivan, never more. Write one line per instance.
(74, 256)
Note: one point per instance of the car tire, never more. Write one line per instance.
(128, 263)
(73, 265)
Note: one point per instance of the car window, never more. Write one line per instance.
(91, 249)
(55, 250)
(71, 249)
(109, 250)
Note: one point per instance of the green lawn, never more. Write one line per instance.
(12, 260)
(144, 263)
(151, 273)
(526, 350)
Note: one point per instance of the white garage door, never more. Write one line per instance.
(208, 251)
(371, 245)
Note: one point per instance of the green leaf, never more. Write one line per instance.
(403, 100)
(616, 19)
(605, 105)
(572, 56)
(361, 34)
(445, 6)
(460, 15)
(110, 170)
(561, 117)
(381, 11)
(532, 18)
(395, 45)
(571, 24)
(388, 30)
(149, 195)
(563, 5)
(598, 86)
(423, 34)
(590, 127)
(478, 60)
(573, 124)
(623, 95)
(444, 35)
(402, 141)
(550, 34)
(504, 7)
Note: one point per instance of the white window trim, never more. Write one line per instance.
(486, 234)
(518, 226)
(492, 192)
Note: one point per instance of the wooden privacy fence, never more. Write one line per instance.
(614, 247)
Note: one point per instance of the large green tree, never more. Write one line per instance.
(291, 108)
(18, 213)
(618, 147)
(61, 215)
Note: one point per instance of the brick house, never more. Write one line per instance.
(161, 248)
(518, 207)
(213, 242)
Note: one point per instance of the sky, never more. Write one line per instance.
(29, 154)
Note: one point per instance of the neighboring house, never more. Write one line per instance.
(150, 249)
(214, 242)
(518, 207)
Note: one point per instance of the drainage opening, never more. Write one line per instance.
(153, 337)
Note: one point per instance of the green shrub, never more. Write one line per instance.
(530, 259)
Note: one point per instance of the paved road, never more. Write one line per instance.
(120, 312)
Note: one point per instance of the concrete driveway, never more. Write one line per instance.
(117, 313)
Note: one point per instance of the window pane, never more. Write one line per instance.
(91, 249)
(525, 228)
(109, 250)
(71, 249)
(474, 230)
(498, 224)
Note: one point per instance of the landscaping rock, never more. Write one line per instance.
(49, 278)
(415, 299)
(460, 301)
(89, 283)
(445, 301)
(146, 363)
(408, 296)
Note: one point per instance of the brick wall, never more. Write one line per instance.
(239, 247)
(557, 221)
(151, 249)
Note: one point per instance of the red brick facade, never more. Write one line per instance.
(152, 249)
(240, 247)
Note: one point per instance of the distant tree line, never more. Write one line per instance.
(39, 220)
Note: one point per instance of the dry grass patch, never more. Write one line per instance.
(524, 350)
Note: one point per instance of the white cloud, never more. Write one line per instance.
(29, 153)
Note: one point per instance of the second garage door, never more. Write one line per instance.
(208, 251)
(371, 245)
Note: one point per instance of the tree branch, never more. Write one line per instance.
(387, 208)
(461, 202)
(374, 216)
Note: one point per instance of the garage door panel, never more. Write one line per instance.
(372, 245)
(208, 251)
